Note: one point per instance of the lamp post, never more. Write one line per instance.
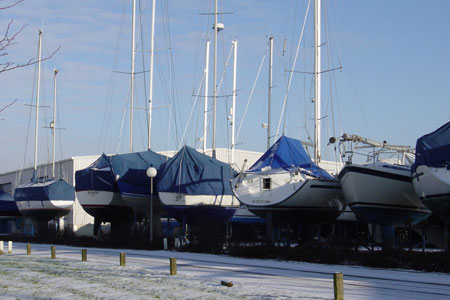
(151, 172)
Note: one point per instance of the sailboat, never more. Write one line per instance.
(194, 188)
(380, 190)
(115, 188)
(285, 185)
(431, 171)
(44, 199)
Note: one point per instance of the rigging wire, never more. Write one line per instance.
(283, 110)
(251, 93)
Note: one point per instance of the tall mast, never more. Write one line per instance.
(37, 104)
(53, 125)
(317, 71)
(233, 107)
(215, 81)
(269, 91)
(150, 100)
(205, 112)
(132, 75)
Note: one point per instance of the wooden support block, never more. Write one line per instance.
(83, 255)
(173, 266)
(226, 283)
(28, 249)
(338, 280)
(53, 252)
(122, 258)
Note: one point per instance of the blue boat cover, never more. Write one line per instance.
(288, 154)
(433, 149)
(8, 206)
(98, 176)
(130, 168)
(42, 191)
(193, 173)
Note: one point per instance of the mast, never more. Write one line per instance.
(205, 112)
(317, 71)
(37, 105)
(269, 91)
(215, 81)
(132, 75)
(150, 103)
(233, 107)
(53, 124)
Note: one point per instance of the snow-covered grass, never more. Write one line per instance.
(146, 276)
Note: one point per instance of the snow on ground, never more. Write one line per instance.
(146, 276)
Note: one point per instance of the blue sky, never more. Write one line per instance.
(394, 84)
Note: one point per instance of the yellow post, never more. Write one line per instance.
(53, 251)
(173, 266)
(122, 259)
(28, 249)
(338, 279)
(83, 255)
(10, 247)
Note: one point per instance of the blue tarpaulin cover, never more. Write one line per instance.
(8, 206)
(98, 176)
(130, 168)
(288, 154)
(42, 191)
(433, 149)
(193, 173)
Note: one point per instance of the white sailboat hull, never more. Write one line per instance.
(382, 194)
(432, 185)
(105, 205)
(292, 197)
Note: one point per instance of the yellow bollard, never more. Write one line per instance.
(83, 255)
(10, 247)
(173, 266)
(28, 249)
(1, 246)
(122, 259)
(53, 252)
(338, 280)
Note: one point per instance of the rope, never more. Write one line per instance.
(283, 110)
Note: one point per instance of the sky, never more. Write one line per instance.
(393, 85)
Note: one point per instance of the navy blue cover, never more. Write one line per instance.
(193, 173)
(8, 206)
(132, 168)
(98, 176)
(129, 168)
(52, 190)
(433, 149)
(288, 154)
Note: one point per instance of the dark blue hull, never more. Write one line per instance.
(388, 215)
(194, 215)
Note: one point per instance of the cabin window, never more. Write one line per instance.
(267, 183)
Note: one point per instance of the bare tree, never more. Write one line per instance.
(7, 39)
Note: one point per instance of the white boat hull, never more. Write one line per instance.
(291, 198)
(44, 209)
(106, 205)
(382, 194)
(432, 185)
